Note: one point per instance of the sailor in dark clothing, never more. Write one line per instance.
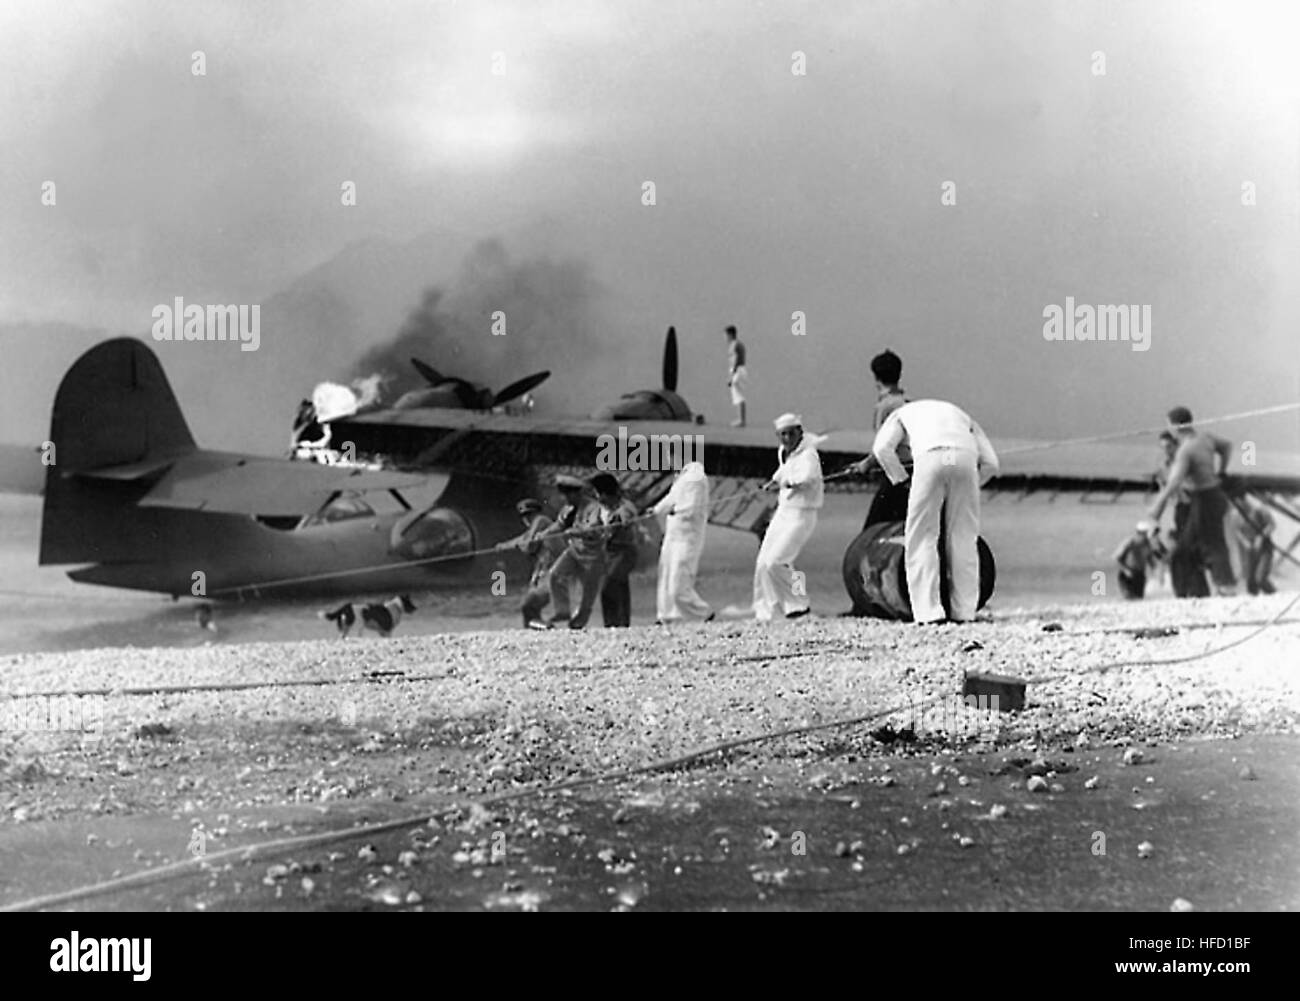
(544, 550)
(1136, 555)
(890, 500)
(618, 515)
(583, 559)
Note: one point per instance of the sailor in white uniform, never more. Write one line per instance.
(685, 510)
(799, 480)
(952, 457)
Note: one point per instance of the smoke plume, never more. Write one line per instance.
(497, 322)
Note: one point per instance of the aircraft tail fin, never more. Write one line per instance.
(115, 408)
(115, 424)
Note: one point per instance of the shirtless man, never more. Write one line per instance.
(737, 375)
(1198, 469)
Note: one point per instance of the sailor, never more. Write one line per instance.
(890, 500)
(583, 559)
(1199, 465)
(685, 513)
(951, 458)
(1141, 551)
(544, 549)
(619, 516)
(737, 375)
(799, 479)
(1251, 528)
(1186, 573)
(887, 369)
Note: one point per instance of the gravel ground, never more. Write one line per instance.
(512, 707)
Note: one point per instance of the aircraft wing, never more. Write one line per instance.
(433, 437)
(425, 437)
(231, 483)
(736, 457)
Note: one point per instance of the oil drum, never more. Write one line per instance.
(875, 572)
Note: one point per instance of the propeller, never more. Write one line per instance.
(521, 387)
(470, 396)
(428, 371)
(474, 397)
(670, 361)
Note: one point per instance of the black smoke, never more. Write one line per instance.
(551, 315)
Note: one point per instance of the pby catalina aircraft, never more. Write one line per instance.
(132, 498)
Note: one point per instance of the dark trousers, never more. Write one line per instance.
(1205, 514)
(889, 503)
(1132, 583)
(537, 598)
(616, 595)
(1186, 572)
(1257, 564)
(585, 571)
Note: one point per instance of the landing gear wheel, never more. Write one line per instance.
(875, 573)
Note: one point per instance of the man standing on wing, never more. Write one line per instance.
(951, 458)
(737, 375)
(799, 480)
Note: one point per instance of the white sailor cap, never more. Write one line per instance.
(787, 421)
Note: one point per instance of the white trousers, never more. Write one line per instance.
(790, 529)
(943, 476)
(739, 383)
(679, 560)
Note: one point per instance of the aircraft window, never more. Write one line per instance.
(280, 522)
(439, 532)
(342, 508)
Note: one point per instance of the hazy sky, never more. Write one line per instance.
(775, 193)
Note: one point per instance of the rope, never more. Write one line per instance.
(379, 567)
(373, 677)
(1102, 668)
(1116, 435)
(251, 852)
(233, 686)
(734, 496)
(469, 554)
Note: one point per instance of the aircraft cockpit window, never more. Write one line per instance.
(281, 523)
(342, 508)
(438, 532)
